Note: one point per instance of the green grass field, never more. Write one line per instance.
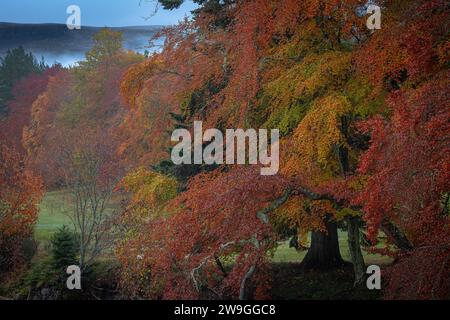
(53, 214)
(284, 254)
(55, 211)
(56, 206)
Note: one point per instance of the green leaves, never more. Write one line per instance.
(14, 66)
(107, 43)
(171, 4)
(64, 248)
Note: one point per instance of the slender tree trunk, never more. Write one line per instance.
(82, 254)
(398, 237)
(324, 252)
(243, 291)
(355, 250)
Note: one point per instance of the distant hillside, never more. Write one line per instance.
(55, 42)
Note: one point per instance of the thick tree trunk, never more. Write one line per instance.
(355, 250)
(324, 253)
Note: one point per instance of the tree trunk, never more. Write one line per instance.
(243, 291)
(355, 250)
(324, 253)
(398, 237)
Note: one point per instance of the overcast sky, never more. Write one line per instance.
(99, 13)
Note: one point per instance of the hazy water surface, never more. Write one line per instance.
(55, 43)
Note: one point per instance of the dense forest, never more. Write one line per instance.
(363, 117)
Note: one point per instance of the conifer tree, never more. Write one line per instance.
(64, 248)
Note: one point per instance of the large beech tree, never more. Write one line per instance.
(218, 77)
(313, 70)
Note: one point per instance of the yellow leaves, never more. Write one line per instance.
(151, 191)
(107, 43)
(357, 183)
(346, 212)
(364, 97)
(302, 214)
(318, 137)
(329, 69)
(135, 78)
(288, 96)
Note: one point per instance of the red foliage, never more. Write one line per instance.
(215, 219)
(20, 192)
(409, 43)
(406, 167)
(39, 138)
(24, 92)
(80, 106)
(409, 167)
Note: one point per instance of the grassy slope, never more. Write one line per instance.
(289, 281)
(53, 215)
(55, 206)
(55, 209)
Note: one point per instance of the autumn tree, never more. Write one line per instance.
(72, 139)
(263, 69)
(89, 174)
(150, 192)
(107, 43)
(23, 95)
(76, 99)
(406, 164)
(410, 186)
(20, 193)
(302, 76)
(15, 65)
(185, 249)
(350, 103)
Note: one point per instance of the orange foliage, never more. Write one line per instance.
(20, 192)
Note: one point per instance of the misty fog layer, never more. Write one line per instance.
(56, 43)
